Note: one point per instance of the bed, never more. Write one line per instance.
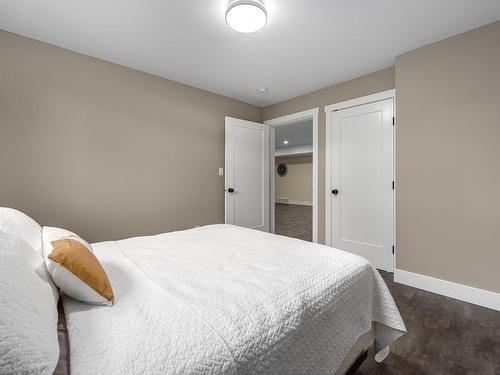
(221, 299)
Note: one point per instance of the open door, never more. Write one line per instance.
(247, 174)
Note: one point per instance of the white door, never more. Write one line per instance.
(247, 174)
(362, 197)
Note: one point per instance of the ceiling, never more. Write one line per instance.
(306, 44)
(297, 134)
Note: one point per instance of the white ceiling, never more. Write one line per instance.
(297, 134)
(306, 44)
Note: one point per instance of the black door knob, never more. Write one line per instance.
(230, 190)
(335, 191)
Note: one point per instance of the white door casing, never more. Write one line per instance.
(247, 174)
(283, 121)
(360, 217)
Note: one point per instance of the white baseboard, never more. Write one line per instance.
(283, 200)
(461, 292)
(300, 203)
(286, 200)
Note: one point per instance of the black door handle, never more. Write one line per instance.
(230, 190)
(335, 191)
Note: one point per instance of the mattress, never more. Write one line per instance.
(222, 299)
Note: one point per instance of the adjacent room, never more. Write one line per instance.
(249, 187)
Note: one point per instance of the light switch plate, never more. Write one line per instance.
(221, 171)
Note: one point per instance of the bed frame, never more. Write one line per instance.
(357, 363)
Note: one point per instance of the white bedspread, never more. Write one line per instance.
(227, 300)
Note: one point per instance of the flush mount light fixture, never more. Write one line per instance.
(285, 142)
(262, 90)
(246, 16)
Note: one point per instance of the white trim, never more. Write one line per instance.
(294, 150)
(329, 109)
(284, 120)
(315, 211)
(301, 203)
(282, 200)
(389, 94)
(298, 203)
(272, 182)
(461, 292)
(394, 129)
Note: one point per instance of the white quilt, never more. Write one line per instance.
(227, 300)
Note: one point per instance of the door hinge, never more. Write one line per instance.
(392, 185)
(393, 249)
(393, 121)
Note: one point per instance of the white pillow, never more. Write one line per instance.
(28, 310)
(18, 224)
(74, 268)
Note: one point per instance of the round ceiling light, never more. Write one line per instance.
(246, 16)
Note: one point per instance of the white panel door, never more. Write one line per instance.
(362, 182)
(247, 174)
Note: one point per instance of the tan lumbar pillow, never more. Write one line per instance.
(75, 269)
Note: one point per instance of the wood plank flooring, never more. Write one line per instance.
(445, 336)
(295, 221)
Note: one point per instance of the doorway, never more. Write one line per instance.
(360, 178)
(293, 175)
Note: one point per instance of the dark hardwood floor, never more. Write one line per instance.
(445, 336)
(293, 221)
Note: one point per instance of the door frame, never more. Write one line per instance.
(283, 121)
(389, 94)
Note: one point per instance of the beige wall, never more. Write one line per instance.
(111, 152)
(448, 159)
(369, 84)
(104, 150)
(297, 184)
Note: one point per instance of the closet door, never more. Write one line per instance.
(362, 198)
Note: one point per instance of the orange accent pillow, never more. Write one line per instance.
(78, 273)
